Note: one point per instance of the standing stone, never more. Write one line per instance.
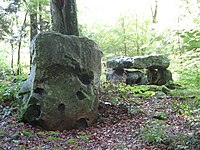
(61, 91)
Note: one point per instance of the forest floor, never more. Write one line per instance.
(140, 123)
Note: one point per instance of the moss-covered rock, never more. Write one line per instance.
(155, 67)
(139, 62)
(60, 92)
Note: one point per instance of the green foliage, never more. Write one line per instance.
(40, 8)
(121, 92)
(2, 133)
(51, 138)
(188, 94)
(188, 140)
(155, 132)
(4, 25)
(71, 141)
(49, 133)
(187, 74)
(191, 39)
(4, 67)
(40, 133)
(54, 132)
(188, 106)
(10, 86)
(131, 36)
(83, 135)
(27, 133)
(190, 77)
(21, 147)
(130, 96)
(161, 115)
(8, 13)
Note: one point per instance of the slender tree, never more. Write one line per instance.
(21, 36)
(40, 17)
(64, 17)
(124, 35)
(137, 35)
(154, 11)
(37, 22)
(33, 23)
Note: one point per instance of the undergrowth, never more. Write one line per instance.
(9, 88)
(185, 102)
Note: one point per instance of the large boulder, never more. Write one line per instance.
(116, 75)
(136, 77)
(130, 77)
(159, 76)
(61, 91)
(139, 62)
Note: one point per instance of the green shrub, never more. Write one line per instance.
(190, 39)
(155, 132)
(10, 86)
(189, 94)
(190, 77)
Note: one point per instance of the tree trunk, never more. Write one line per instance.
(40, 17)
(137, 35)
(124, 36)
(34, 25)
(64, 17)
(19, 46)
(154, 12)
(33, 22)
(12, 57)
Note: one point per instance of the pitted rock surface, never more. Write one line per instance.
(60, 92)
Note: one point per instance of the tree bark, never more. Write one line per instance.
(33, 25)
(154, 12)
(124, 36)
(19, 45)
(33, 22)
(137, 35)
(12, 57)
(40, 17)
(64, 17)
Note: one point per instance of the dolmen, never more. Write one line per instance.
(140, 70)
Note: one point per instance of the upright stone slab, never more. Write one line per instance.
(60, 92)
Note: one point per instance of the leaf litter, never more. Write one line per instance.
(129, 123)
